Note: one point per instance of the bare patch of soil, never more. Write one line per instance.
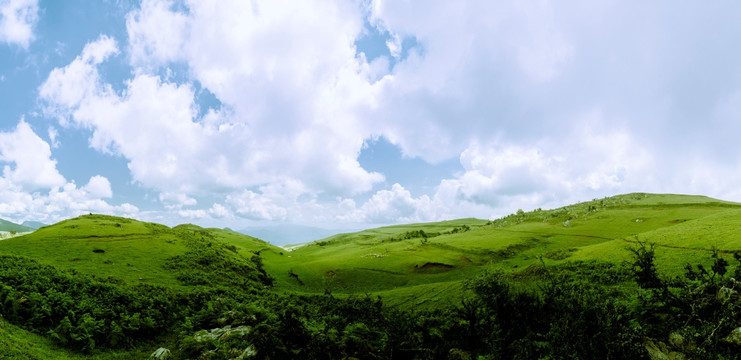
(433, 266)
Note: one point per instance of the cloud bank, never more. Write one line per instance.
(31, 187)
(542, 104)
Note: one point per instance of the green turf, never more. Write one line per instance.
(125, 249)
(398, 262)
(684, 228)
(387, 262)
(414, 266)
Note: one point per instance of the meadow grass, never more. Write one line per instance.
(398, 262)
(414, 266)
(684, 228)
(124, 249)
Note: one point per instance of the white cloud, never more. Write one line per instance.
(67, 88)
(254, 206)
(280, 115)
(390, 206)
(542, 102)
(32, 166)
(53, 135)
(176, 200)
(470, 64)
(99, 187)
(99, 50)
(57, 204)
(394, 45)
(156, 34)
(31, 187)
(17, 20)
(598, 161)
(545, 50)
(219, 211)
(193, 214)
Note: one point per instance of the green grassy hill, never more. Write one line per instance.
(406, 267)
(414, 263)
(116, 288)
(125, 249)
(100, 262)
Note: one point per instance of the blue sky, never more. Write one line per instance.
(351, 114)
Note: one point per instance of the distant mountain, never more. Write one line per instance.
(291, 234)
(33, 224)
(6, 225)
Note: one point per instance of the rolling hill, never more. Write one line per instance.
(407, 267)
(8, 226)
(412, 264)
(125, 249)
(205, 279)
(33, 224)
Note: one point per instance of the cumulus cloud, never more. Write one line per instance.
(279, 116)
(219, 211)
(389, 206)
(99, 187)
(32, 166)
(57, 203)
(31, 187)
(192, 213)
(466, 58)
(598, 161)
(255, 206)
(176, 200)
(66, 88)
(543, 103)
(17, 20)
(156, 34)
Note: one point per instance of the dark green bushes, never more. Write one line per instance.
(701, 308)
(570, 317)
(210, 262)
(81, 312)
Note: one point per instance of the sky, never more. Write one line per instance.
(356, 114)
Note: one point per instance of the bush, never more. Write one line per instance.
(81, 312)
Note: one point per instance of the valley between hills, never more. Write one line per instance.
(629, 276)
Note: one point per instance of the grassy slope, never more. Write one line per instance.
(366, 261)
(376, 261)
(685, 229)
(17, 343)
(133, 251)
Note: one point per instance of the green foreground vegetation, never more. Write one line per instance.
(630, 276)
